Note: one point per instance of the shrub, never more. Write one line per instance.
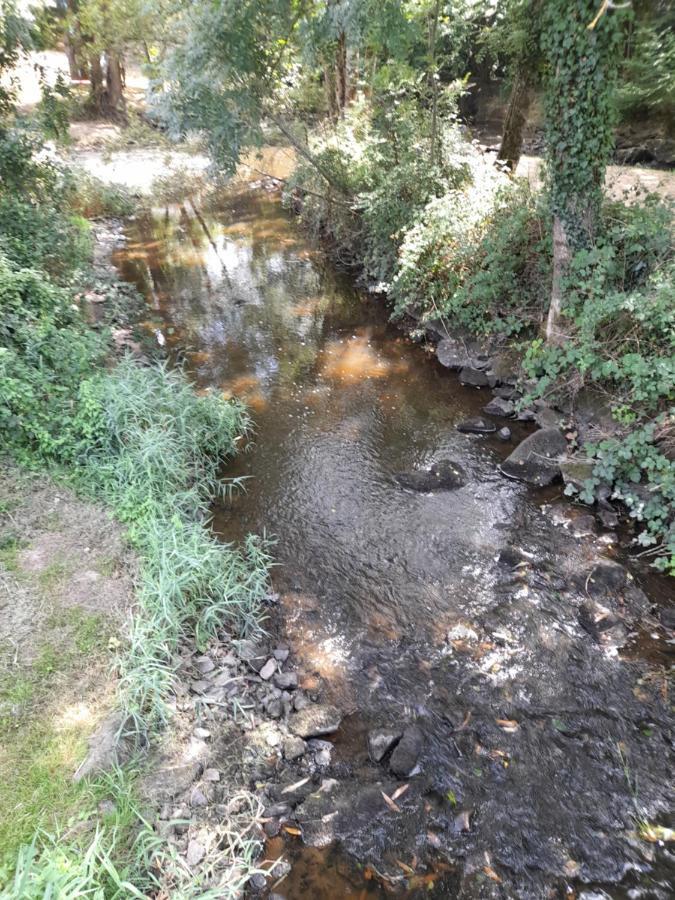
(37, 226)
(478, 256)
(377, 175)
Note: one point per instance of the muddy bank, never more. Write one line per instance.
(493, 623)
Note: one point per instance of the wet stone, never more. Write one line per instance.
(474, 377)
(315, 721)
(477, 425)
(504, 434)
(500, 407)
(443, 475)
(536, 459)
(380, 742)
(407, 752)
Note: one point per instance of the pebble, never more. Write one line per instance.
(195, 853)
(268, 669)
(504, 434)
(212, 775)
(272, 828)
(198, 798)
(281, 654)
(204, 664)
(300, 701)
(202, 733)
(286, 680)
(294, 747)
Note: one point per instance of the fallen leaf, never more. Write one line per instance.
(490, 872)
(655, 833)
(508, 725)
(433, 839)
(467, 719)
(289, 829)
(294, 787)
(400, 791)
(407, 869)
(390, 803)
(452, 798)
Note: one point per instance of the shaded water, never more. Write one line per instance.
(530, 725)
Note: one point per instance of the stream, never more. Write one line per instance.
(469, 613)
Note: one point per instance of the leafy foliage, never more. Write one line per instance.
(480, 257)
(582, 64)
(381, 164)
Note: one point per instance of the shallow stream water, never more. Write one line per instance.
(461, 611)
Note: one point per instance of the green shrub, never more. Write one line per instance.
(619, 314)
(37, 226)
(380, 177)
(478, 256)
(46, 351)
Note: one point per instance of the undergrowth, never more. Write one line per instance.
(140, 439)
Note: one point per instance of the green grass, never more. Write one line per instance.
(54, 575)
(10, 545)
(44, 722)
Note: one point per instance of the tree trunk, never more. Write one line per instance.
(115, 104)
(433, 76)
(96, 88)
(331, 92)
(515, 120)
(341, 73)
(561, 260)
(71, 54)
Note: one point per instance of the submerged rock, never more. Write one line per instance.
(315, 721)
(477, 425)
(536, 460)
(504, 434)
(407, 751)
(444, 475)
(380, 742)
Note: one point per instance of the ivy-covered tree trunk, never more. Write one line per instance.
(582, 65)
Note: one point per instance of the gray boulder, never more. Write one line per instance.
(536, 460)
(452, 354)
(407, 752)
(500, 407)
(380, 742)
